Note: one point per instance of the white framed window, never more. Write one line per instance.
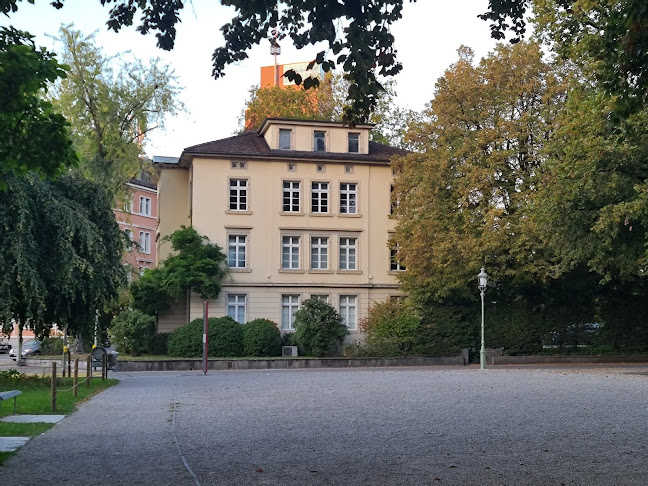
(236, 307)
(145, 205)
(284, 139)
(322, 297)
(290, 252)
(289, 305)
(319, 141)
(348, 253)
(128, 204)
(129, 234)
(348, 198)
(236, 251)
(238, 194)
(354, 143)
(239, 164)
(348, 310)
(319, 253)
(145, 242)
(291, 196)
(393, 201)
(394, 264)
(319, 197)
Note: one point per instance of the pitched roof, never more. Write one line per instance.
(253, 145)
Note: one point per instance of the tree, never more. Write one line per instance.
(61, 264)
(34, 137)
(462, 200)
(111, 109)
(318, 327)
(608, 35)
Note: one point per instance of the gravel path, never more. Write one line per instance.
(555, 426)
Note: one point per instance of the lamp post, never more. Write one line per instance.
(482, 281)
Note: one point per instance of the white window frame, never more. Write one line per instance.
(319, 246)
(238, 247)
(131, 236)
(289, 131)
(316, 138)
(238, 188)
(289, 305)
(290, 252)
(145, 206)
(291, 190)
(348, 198)
(145, 242)
(320, 199)
(349, 311)
(394, 264)
(357, 142)
(236, 302)
(323, 297)
(348, 250)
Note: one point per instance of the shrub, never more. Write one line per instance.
(225, 338)
(318, 327)
(261, 337)
(159, 343)
(131, 331)
(51, 346)
(392, 328)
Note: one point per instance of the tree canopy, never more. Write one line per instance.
(111, 107)
(61, 263)
(34, 136)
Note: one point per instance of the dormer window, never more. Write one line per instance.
(284, 138)
(319, 141)
(354, 143)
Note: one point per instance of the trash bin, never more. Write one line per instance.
(98, 354)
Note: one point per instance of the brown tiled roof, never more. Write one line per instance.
(251, 144)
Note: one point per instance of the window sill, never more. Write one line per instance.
(239, 270)
(291, 213)
(350, 272)
(324, 271)
(232, 211)
(290, 270)
(347, 215)
(396, 272)
(320, 215)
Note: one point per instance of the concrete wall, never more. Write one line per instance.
(173, 206)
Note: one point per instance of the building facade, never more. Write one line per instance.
(137, 217)
(301, 208)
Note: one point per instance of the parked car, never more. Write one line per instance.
(4, 344)
(29, 348)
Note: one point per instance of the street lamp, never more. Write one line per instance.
(482, 281)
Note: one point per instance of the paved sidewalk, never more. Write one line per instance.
(462, 426)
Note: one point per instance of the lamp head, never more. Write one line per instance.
(482, 279)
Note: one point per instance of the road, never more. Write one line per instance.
(416, 426)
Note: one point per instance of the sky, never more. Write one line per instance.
(427, 39)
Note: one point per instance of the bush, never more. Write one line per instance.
(225, 338)
(52, 346)
(318, 327)
(131, 331)
(159, 343)
(261, 337)
(392, 328)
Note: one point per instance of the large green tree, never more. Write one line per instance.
(34, 136)
(111, 107)
(462, 200)
(60, 253)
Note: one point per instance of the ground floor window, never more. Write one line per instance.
(236, 307)
(289, 305)
(348, 310)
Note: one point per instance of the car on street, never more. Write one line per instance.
(29, 348)
(4, 344)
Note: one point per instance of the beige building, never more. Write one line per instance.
(301, 208)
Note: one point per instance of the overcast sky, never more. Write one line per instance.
(427, 38)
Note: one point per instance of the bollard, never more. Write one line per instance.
(88, 371)
(75, 391)
(53, 386)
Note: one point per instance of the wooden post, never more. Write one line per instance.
(75, 391)
(104, 367)
(88, 371)
(69, 362)
(53, 386)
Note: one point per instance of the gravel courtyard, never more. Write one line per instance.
(414, 426)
